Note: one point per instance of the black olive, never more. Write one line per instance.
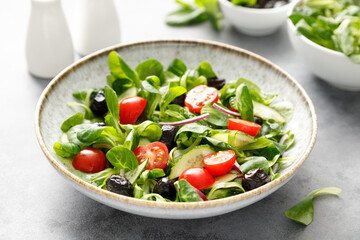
(258, 120)
(165, 187)
(255, 178)
(266, 4)
(180, 100)
(216, 83)
(98, 104)
(120, 185)
(167, 137)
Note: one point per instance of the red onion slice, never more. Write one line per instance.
(186, 121)
(236, 167)
(203, 197)
(227, 111)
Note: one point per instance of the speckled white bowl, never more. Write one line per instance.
(254, 21)
(332, 66)
(228, 62)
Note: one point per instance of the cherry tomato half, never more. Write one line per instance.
(198, 177)
(244, 126)
(90, 160)
(219, 163)
(199, 96)
(131, 108)
(156, 152)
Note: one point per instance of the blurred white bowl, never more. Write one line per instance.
(332, 66)
(253, 21)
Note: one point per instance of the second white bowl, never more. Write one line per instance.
(332, 66)
(252, 21)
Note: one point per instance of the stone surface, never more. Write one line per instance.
(36, 203)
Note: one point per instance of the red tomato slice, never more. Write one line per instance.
(156, 152)
(131, 108)
(244, 126)
(89, 160)
(219, 163)
(199, 96)
(198, 177)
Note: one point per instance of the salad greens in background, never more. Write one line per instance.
(196, 12)
(334, 24)
(199, 134)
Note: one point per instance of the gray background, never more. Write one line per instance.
(36, 203)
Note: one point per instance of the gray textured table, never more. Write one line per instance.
(36, 203)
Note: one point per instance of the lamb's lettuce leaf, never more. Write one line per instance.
(66, 149)
(98, 179)
(196, 12)
(75, 119)
(303, 212)
(169, 93)
(148, 68)
(253, 163)
(191, 79)
(244, 103)
(122, 158)
(186, 16)
(217, 117)
(177, 67)
(122, 77)
(150, 130)
(206, 70)
(225, 189)
(186, 192)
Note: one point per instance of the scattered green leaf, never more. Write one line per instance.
(303, 212)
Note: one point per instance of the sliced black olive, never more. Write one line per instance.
(180, 100)
(258, 120)
(165, 187)
(120, 185)
(98, 104)
(216, 83)
(255, 178)
(167, 137)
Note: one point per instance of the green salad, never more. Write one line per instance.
(177, 134)
(334, 24)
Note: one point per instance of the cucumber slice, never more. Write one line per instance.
(266, 113)
(135, 173)
(241, 139)
(143, 142)
(224, 178)
(193, 158)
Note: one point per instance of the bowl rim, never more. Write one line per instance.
(173, 205)
(291, 27)
(258, 10)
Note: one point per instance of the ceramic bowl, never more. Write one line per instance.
(252, 21)
(332, 66)
(228, 62)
